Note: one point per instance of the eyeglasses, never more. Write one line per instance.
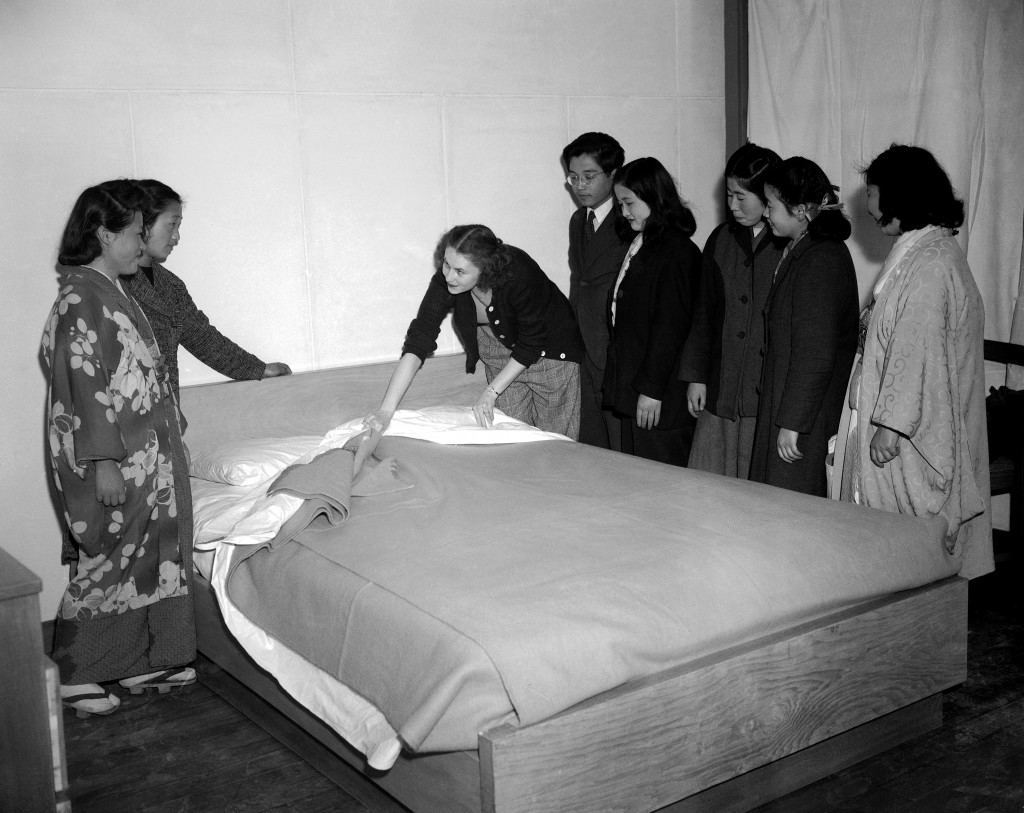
(586, 179)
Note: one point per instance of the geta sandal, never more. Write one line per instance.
(89, 699)
(162, 681)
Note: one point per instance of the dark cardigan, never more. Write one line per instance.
(528, 314)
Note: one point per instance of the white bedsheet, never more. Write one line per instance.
(229, 516)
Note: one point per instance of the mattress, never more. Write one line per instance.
(513, 581)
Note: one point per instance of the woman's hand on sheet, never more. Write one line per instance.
(696, 398)
(648, 412)
(885, 445)
(787, 445)
(378, 421)
(483, 409)
(109, 483)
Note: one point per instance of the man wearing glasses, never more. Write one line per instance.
(595, 254)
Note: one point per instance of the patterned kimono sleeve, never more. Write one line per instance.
(86, 353)
(915, 395)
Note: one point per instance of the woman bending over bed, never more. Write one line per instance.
(508, 315)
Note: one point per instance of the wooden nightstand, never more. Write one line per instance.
(32, 771)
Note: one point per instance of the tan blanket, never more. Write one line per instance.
(514, 581)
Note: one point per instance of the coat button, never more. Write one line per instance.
(502, 336)
(562, 356)
(543, 353)
(490, 308)
(497, 321)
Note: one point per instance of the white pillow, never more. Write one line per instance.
(251, 462)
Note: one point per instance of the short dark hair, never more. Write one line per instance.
(913, 187)
(112, 205)
(748, 166)
(156, 197)
(481, 246)
(648, 179)
(605, 149)
(799, 180)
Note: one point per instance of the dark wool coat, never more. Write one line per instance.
(810, 339)
(726, 343)
(653, 316)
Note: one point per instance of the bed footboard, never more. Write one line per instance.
(849, 685)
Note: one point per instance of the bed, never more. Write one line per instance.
(739, 722)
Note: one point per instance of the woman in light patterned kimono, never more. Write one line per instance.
(118, 465)
(919, 444)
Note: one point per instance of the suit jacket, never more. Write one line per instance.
(593, 267)
(652, 319)
(811, 321)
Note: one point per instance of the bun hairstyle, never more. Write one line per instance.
(486, 251)
(112, 205)
(799, 180)
(748, 166)
(648, 179)
(913, 187)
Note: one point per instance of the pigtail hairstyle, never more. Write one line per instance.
(799, 180)
(648, 179)
(913, 187)
(112, 205)
(486, 251)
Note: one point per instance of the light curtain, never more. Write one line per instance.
(840, 80)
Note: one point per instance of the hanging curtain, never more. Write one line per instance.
(838, 81)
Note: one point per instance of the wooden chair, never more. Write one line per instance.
(1007, 470)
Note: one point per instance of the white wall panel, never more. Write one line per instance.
(486, 46)
(504, 172)
(235, 160)
(194, 44)
(374, 186)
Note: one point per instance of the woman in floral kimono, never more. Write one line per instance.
(918, 444)
(118, 465)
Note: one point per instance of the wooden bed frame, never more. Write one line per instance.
(724, 732)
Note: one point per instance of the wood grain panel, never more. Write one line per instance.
(664, 739)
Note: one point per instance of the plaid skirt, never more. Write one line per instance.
(546, 394)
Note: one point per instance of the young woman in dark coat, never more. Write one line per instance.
(811, 330)
(650, 310)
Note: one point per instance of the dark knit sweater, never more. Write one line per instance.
(176, 320)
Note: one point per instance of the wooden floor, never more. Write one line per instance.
(191, 751)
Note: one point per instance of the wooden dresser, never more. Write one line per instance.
(32, 768)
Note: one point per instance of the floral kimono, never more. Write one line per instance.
(923, 375)
(128, 609)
